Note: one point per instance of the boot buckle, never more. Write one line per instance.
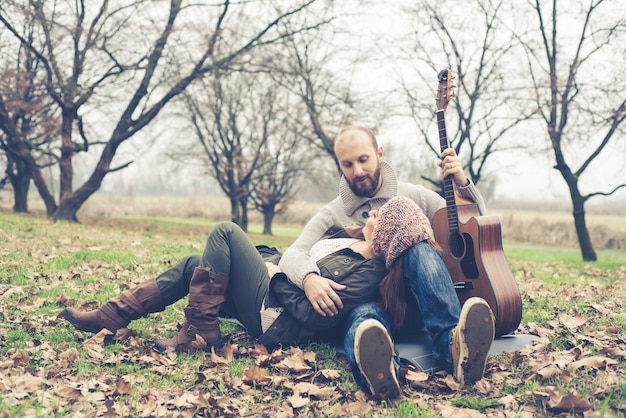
(191, 331)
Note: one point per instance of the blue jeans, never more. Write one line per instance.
(438, 307)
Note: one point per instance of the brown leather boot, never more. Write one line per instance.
(117, 313)
(206, 296)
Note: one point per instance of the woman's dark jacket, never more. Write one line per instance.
(298, 321)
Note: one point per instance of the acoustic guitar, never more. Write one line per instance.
(472, 243)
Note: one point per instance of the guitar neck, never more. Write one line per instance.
(448, 186)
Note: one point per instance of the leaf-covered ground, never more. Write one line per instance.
(577, 368)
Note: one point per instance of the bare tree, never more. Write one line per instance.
(28, 123)
(475, 46)
(326, 99)
(233, 116)
(275, 185)
(28, 120)
(252, 133)
(577, 80)
(319, 68)
(129, 60)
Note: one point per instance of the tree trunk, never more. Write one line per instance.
(584, 240)
(20, 180)
(71, 202)
(22, 154)
(243, 203)
(235, 215)
(66, 168)
(66, 212)
(268, 218)
(42, 188)
(578, 205)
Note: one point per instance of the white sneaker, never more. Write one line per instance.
(374, 354)
(471, 340)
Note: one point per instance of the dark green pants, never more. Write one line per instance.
(228, 250)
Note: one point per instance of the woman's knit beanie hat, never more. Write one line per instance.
(401, 224)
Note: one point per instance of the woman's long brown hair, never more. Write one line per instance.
(392, 289)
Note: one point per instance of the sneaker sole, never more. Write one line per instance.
(374, 355)
(476, 339)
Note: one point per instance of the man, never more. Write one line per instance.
(367, 183)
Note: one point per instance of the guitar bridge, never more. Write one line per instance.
(463, 285)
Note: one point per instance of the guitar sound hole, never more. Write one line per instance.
(456, 244)
(462, 247)
(468, 264)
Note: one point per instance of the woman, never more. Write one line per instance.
(417, 293)
(232, 278)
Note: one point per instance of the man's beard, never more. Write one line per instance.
(365, 188)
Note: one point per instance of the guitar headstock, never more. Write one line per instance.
(444, 89)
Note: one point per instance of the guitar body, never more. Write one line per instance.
(476, 262)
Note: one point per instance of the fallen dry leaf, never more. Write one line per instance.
(330, 374)
(569, 402)
(596, 362)
(297, 401)
(572, 322)
(257, 375)
(448, 411)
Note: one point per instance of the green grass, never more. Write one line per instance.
(44, 263)
(407, 409)
(475, 402)
(607, 259)
(282, 237)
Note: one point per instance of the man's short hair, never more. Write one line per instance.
(369, 132)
